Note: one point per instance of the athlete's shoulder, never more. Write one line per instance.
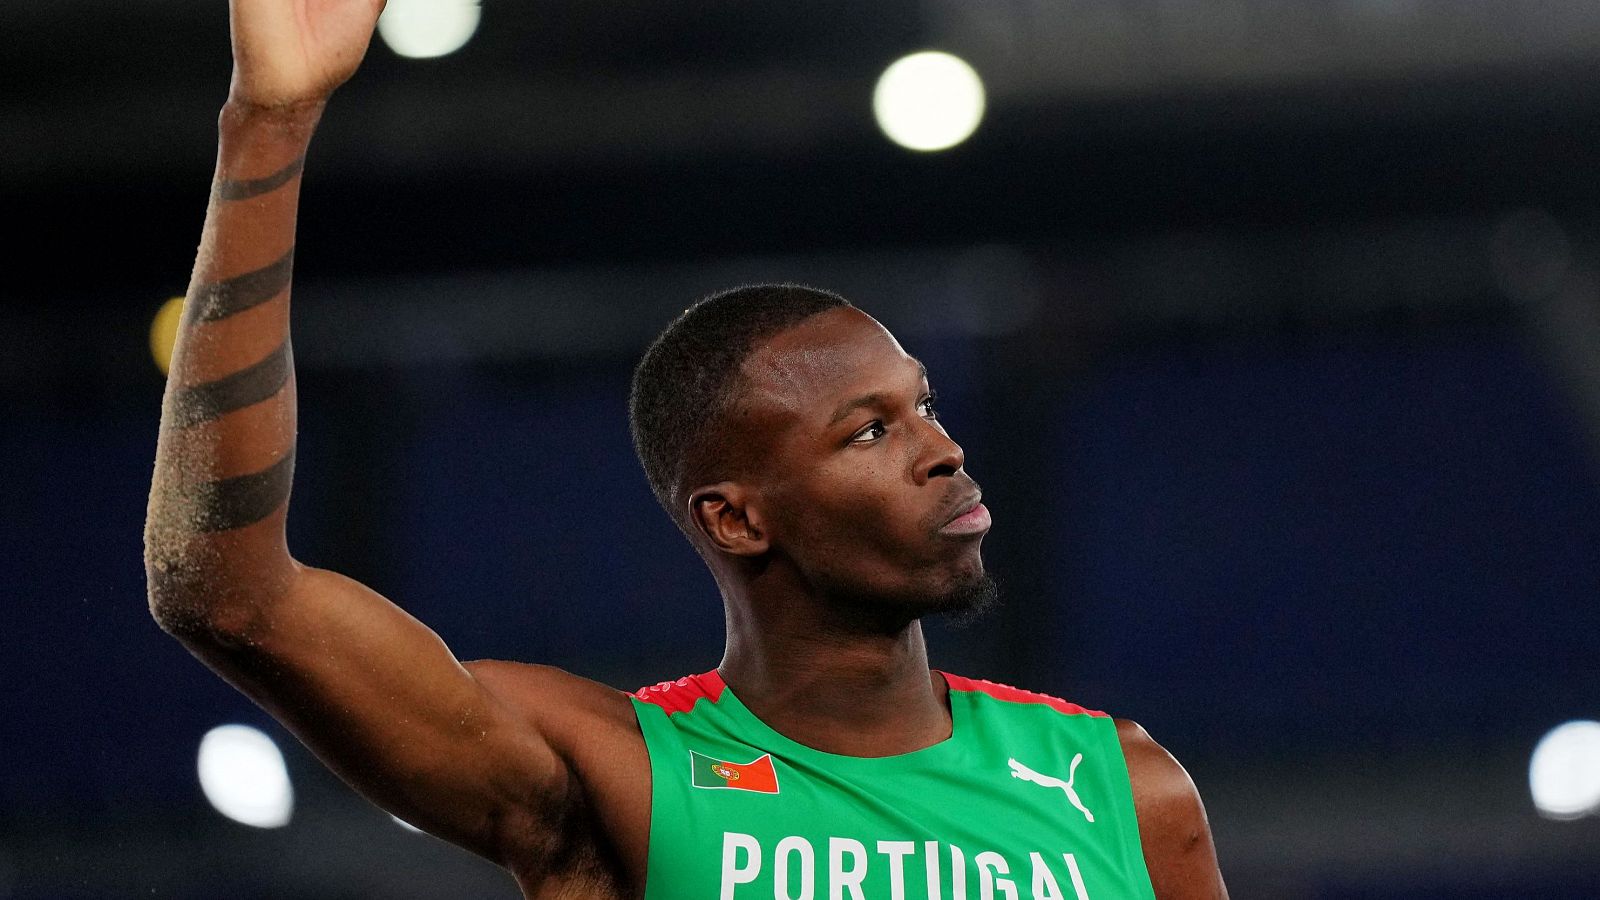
(1156, 775)
(552, 696)
(682, 694)
(1173, 827)
(1012, 694)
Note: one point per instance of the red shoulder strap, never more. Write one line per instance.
(680, 696)
(1017, 695)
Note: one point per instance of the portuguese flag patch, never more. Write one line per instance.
(757, 776)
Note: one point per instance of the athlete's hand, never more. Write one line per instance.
(295, 52)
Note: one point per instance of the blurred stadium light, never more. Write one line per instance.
(424, 29)
(1564, 774)
(928, 101)
(243, 775)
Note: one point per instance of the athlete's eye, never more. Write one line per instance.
(872, 432)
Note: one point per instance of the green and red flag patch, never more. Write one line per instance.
(757, 776)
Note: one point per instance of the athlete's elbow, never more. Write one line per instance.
(202, 589)
(181, 609)
(196, 605)
(164, 584)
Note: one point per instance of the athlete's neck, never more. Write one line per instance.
(850, 693)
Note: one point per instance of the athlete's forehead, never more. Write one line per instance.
(806, 372)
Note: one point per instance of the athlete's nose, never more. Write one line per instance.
(941, 457)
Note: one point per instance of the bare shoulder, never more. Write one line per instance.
(1162, 789)
(584, 711)
(1173, 829)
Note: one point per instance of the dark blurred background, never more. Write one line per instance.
(1271, 329)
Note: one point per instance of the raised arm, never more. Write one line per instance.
(476, 755)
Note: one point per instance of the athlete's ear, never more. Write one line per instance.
(723, 513)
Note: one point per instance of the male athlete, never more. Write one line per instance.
(794, 442)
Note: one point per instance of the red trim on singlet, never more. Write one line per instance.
(680, 696)
(1017, 695)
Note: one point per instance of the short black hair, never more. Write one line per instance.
(687, 379)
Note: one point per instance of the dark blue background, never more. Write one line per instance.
(1256, 546)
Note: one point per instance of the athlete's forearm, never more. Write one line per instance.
(214, 532)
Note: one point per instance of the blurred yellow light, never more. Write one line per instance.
(164, 332)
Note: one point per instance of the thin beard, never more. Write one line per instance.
(961, 606)
(972, 602)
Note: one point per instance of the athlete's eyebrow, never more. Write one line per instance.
(876, 398)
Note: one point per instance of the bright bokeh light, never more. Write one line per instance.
(164, 332)
(422, 29)
(1565, 772)
(243, 775)
(928, 101)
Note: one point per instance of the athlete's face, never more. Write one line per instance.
(860, 486)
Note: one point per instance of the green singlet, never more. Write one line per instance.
(1027, 798)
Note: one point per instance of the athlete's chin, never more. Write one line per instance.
(966, 599)
(961, 590)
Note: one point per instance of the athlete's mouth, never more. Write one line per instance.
(971, 517)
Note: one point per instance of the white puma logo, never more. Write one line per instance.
(1018, 770)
